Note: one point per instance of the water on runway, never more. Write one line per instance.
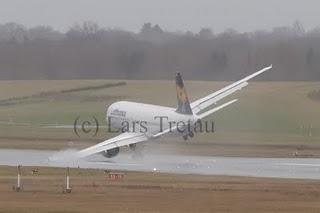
(304, 168)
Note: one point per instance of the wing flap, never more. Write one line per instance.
(209, 112)
(215, 97)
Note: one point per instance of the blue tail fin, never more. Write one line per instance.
(182, 97)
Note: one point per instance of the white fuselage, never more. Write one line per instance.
(146, 118)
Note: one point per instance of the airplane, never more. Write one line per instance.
(140, 122)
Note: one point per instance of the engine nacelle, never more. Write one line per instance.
(111, 152)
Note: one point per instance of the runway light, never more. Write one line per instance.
(68, 188)
(154, 169)
(18, 187)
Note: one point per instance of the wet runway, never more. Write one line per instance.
(179, 164)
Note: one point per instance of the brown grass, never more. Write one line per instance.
(148, 192)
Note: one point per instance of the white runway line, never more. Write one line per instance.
(300, 164)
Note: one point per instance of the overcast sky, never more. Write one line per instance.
(171, 15)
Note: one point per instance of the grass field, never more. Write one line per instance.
(268, 113)
(272, 119)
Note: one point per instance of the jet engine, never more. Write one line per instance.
(111, 152)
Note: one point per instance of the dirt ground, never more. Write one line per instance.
(93, 191)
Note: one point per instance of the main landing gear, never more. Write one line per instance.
(137, 151)
(190, 134)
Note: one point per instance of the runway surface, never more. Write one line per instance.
(231, 166)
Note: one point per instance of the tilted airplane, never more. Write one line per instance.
(138, 122)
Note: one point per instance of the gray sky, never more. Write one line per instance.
(172, 15)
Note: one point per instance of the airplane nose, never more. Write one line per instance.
(108, 111)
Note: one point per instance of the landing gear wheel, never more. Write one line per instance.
(191, 134)
(137, 152)
(185, 137)
(137, 155)
(133, 146)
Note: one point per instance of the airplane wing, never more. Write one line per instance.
(123, 139)
(203, 103)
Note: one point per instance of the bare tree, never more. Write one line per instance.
(87, 50)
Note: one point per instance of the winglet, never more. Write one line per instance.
(256, 74)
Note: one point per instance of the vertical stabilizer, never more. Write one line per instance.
(182, 97)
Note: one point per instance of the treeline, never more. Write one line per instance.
(88, 51)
